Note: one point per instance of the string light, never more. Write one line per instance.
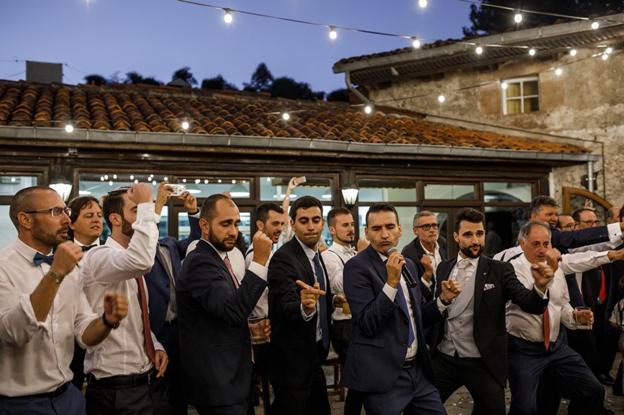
(609, 50)
(416, 43)
(333, 34)
(605, 56)
(110, 183)
(165, 179)
(479, 50)
(183, 180)
(573, 52)
(558, 71)
(185, 125)
(532, 52)
(132, 177)
(69, 128)
(106, 177)
(228, 18)
(101, 178)
(368, 109)
(595, 25)
(504, 85)
(423, 3)
(197, 181)
(518, 18)
(136, 180)
(285, 116)
(441, 99)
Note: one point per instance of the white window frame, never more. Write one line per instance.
(522, 97)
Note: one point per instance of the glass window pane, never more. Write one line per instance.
(514, 106)
(245, 229)
(450, 191)
(406, 217)
(8, 234)
(530, 88)
(274, 189)
(507, 192)
(9, 185)
(531, 104)
(513, 89)
(184, 227)
(163, 225)
(503, 226)
(391, 190)
(201, 188)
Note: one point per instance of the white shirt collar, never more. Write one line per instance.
(342, 249)
(221, 254)
(474, 261)
(310, 253)
(25, 250)
(435, 248)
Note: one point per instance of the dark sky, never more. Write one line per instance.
(156, 37)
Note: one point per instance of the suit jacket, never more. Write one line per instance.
(157, 280)
(380, 328)
(490, 334)
(415, 251)
(215, 349)
(294, 353)
(564, 240)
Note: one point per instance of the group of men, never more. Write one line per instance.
(167, 323)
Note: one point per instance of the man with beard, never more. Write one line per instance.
(300, 311)
(213, 308)
(43, 309)
(121, 370)
(535, 344)
(469, 346)
(342, 228)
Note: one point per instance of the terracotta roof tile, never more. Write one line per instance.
(162, 109)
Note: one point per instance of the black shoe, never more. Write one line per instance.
(606, 379)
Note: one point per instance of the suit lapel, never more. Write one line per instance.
(205, 246)
(378, 265)
(480, 278)
(303, 260)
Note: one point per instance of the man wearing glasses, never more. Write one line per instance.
(426, 248)
(121, 370)
(43, 309)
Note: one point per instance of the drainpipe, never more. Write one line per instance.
(353, 89)
(590, 176)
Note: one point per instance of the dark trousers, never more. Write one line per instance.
(583, 342)
(341, 331)
(527, 363)
(239, 409)
(412, 394)
(308, 398)
(69, 402)
(168, 392)
(77, 366)
(103, 398)
(450, 373)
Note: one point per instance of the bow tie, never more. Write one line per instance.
(85, 248)
(39, 258)
(350, 250)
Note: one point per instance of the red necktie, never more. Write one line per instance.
(228, 265)
(148, 343)
(546, 325)
(602, 295)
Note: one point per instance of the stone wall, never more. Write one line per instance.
(586, 102)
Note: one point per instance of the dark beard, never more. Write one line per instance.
(126, 227)
(469, 254)
(219, 244)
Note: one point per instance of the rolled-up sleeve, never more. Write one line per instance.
(18, 323)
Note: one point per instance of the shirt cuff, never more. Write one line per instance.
(30, 313)
(602, 258)
(260, 270)
(389, 291)
(544, 295)
(427, 283)
(306, 317)
(441, 306)
(615, 232)
(146, 213)
(196, 215)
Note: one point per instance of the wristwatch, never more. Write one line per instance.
(56, 277)
(107, 324)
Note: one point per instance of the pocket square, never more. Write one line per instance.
(488, 287)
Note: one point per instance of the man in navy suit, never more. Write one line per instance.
(161, 282)
(213, 308)
(388, 361)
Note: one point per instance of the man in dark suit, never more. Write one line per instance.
(161, 282)
(213, 308)
(388, 362)
(427, 244)
(300, 307)
(469, 346)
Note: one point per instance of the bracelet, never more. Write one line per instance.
(56, 277)
(107, 324)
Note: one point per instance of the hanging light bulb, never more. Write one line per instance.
(228, 18)
(333, 34)
(205, 181)
(110, 183)
(416, 43)
(518, 18)
(102, 178)
(114, 176)
(532, 52)
(595, 25)
(183, 180)
(479, 50)
(504, 85)
(423, 3)
(605, 56)
(132, 177)
(185, 125)
(69, 128)
(558, 71)
(609, 50)
(106, 177)
(285, 116)
(136, 180)
(368, 109)
(441, 99)
(197, 181)
(573, 52)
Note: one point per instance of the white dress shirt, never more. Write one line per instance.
(529, 326)
(35, 356)
(238, 264)
(310, 253)
(335, 257)
(262, 306)
(112, 268)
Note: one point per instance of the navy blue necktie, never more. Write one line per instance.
(576, 298)
(320, 276)
(39, 258)
(403, 306)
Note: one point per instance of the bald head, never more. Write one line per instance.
(26, 200)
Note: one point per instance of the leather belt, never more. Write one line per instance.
(122, 381)
(59, 391)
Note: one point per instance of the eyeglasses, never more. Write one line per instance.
(55, 211)
(428, 226)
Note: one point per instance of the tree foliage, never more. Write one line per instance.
(218, 82)
(340, 95)
(285, 87)
(488, 20)
(184, 74)
(261, 79)
(95, 79)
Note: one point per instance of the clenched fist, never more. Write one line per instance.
(393, 268)
(140, 193)
(115, 308)
(543, 274)
(66, 256)
(262, 246)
